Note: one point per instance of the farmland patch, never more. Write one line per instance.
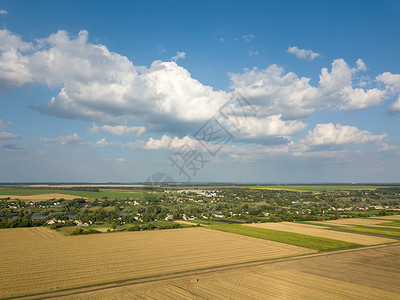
(292, 238)
(325, 233)
(39, 265)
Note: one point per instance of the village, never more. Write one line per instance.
(242, 205)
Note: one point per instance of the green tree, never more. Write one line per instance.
(114, 225)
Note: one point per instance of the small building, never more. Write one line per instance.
(169, 217)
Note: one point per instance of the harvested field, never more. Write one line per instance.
(291, 238)
(103, 229)
(361, 239)
(82, 185)
(41, 197)
(280, 189)
(394, 217)
(352, 221)
(27, 235)
(391, 224)
(392, 231)
(370, 222)
(317, 187)
(368, 273)
(186, 222)
(40, 265)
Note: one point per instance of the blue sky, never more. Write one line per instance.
(98, 91)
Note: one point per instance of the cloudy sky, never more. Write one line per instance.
(238, 91)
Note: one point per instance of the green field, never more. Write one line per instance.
(87, 194)
(319, 188)
(299, 187)
(296, 239)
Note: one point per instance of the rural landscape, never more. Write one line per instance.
(201, 241)
(205, 150)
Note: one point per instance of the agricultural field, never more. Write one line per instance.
(366, 273)
(136, 205)
(378, 227)
(98, 185)
(38, 260)
(44, 194)
(320, 231)
(292, 238)
(390, 224)
(317, 187)
(39, 197)
(393, 217)
(27, 235)
(239, 226)
(355, 221)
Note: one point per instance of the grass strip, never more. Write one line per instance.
(384, 230)
(394, 223)
(296, 239)
(354, 229)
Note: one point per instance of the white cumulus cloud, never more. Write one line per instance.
(361, 66)
(330, 134)
(392, 84)
(3, 12)
(274, 92)
(360, 98)
(73, 139)
(248, 37)
(99, 85)
(165, 142)
(253, 53)
(302, 53)
(14, 66)
(264, 127)
(391, 81)
(395, 106)
(154, 144)
(95, 84)
(119, 130)
(179, 55)
(102, 143)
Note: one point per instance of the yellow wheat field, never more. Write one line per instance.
(187, 223)
(395, 217)
(279, 189)
(322, 232)
(37, 260)
(41, 197)
(352, 221)
(369, 273)
(355, 221)
(26, 235)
